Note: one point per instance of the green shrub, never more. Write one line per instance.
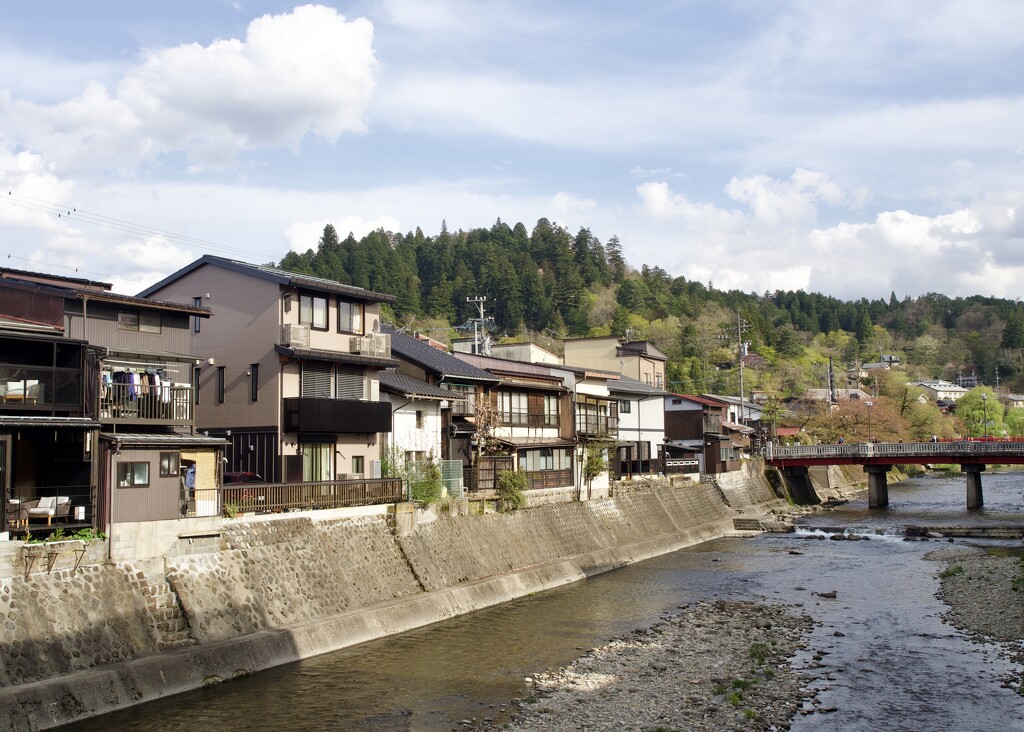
(425, 485)
(511, 489)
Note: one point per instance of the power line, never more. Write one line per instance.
(19, 200)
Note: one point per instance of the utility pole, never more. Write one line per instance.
(478, 323)
(741, 326)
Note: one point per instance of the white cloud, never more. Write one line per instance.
(310, 71)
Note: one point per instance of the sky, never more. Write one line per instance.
(854, 149)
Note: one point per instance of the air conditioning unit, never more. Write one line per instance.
(295, 336)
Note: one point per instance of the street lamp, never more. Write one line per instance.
(984, 404)
(869, 405)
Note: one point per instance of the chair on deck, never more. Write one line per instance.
(50, 508)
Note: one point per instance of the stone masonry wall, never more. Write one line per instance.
(286, 573)
(67, 621)
(275, 574)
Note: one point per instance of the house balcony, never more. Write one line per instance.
(154, 405)
(596, 426)
(336, 416)
(376, 345)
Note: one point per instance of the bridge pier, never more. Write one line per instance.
(878, 486)
(799, 486)
(975, 497)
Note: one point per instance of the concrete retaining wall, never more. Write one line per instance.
(284, 589)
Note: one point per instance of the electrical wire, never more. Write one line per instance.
(50, 208)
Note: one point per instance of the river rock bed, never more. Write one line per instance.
(711, 666)
(985, 594)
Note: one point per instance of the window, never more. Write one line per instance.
(357, 464)
(316, 461)
(128, 321)
(415, 456)
(657, 380)
(170, 464)
(315, 380)
(349, 382)
(197, 302)
(195, 384)
(419, 419)
(626, 406)
(133, 475)
(550, 410)
(548, 458)
(138, 322)
(350, 317)
(254, 382)
(647, 379)
(149, 322)
(463, 407)
(220, 385)
(313, 311)
(514, 407)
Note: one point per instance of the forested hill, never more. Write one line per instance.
(548, 282)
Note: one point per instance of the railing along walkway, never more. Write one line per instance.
(275, 497)
(951, 451)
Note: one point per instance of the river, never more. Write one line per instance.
(890, 663)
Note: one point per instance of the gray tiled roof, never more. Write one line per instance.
(627, 385)
(431, 359)
(393, 381)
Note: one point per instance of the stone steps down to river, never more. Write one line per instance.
(281, 590)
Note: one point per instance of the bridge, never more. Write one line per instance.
(878, 458)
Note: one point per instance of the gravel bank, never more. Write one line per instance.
(980, 591)
(718, 666)
(711, 666)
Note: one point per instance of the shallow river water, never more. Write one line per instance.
(890, 663)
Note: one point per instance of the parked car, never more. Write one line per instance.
(243, 477)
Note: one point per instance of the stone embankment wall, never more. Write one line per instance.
(281, 590)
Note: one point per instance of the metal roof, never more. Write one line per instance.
(335, 356)
(629, 385)
(524, 443)
(157, 439)
(445, 365)
(274, 274)
(15, 421)
(397, 383)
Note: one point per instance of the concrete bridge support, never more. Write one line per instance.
(878, 486)
(975, 497)
(798, 484)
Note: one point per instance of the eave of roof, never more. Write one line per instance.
(407, 386)
(335, 357)
(19, 420)
(524, 443)
(129, 439)
(273, 274)
(88, 295)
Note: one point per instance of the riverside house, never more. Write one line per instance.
(289, 377)
(533, 419)
(96, 419)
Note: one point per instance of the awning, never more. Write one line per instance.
(526, 443)
(739, 428)
(8, 421)
(530, 384)
(128, 439)
(336, 357)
